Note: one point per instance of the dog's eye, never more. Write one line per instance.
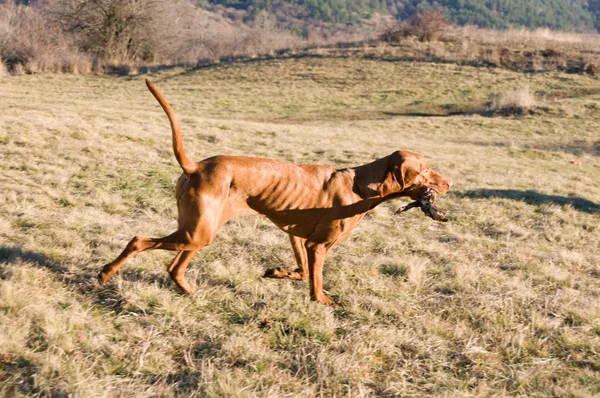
(426, 171)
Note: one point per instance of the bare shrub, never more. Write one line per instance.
(431, 25)
(397, 33)
(22, 34)
(3, 70)
(514, 102)
(213, 37)
(266, 37)
(122, 31)
(29, 43)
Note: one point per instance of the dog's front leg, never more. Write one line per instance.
(301, 273)
(316, 253)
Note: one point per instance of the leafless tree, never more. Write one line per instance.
(122, 30)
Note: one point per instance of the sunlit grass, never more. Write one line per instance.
(502, 299)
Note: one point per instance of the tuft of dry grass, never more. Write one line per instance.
(501, 300)
(518, 102)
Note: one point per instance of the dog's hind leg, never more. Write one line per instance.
(177, 269)
(180, 240)
(174, 262)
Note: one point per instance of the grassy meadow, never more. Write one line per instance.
(502, 300)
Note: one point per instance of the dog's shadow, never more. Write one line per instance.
(84, 282)
(81, 281)
(533, 198)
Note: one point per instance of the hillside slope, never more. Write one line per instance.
(571, 15)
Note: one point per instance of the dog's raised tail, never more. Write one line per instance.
(186, 164)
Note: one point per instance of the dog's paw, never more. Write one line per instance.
(277, 273)
(102, 278)
(323, 299)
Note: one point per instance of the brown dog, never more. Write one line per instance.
(316, 205)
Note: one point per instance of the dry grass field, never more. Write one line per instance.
(502, 300)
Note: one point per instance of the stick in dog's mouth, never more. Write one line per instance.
(426, 204)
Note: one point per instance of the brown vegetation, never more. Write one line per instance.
(514, 102)
(128, 36)
(431, 25)
(30, 43)
(121, 31)
(115, 35)
(517, 49)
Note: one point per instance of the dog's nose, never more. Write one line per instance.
(450, 184)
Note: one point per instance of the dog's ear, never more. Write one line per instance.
(394, 180)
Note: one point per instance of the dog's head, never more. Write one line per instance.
(409, 174)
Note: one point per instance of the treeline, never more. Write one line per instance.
(569, 15)
(336, 11)
(566, 15)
